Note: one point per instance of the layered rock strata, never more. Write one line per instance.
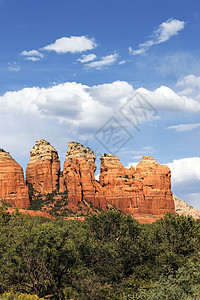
(144, 191)
(78, 176)
(13, 189)
(43, 169)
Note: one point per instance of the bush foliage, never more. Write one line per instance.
(107, 256)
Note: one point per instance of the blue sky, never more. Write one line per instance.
(77, 70)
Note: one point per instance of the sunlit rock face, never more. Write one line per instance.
(43, 169)
(13, 189)
(78, 176)
(144, 191)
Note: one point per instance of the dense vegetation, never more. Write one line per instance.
(108, 256)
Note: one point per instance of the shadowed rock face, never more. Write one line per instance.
(43, 169)
(13, 189)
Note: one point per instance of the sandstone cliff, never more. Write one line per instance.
(78, 176)
(183, 208)
(141, 192)
(13, 189)
(144, 192)
(43, 169)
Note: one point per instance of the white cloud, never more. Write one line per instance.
(136, 52)
(185, 169)
(184, 127)
(104, 61)
(122, 62)
(87, 58)
(190, 85)
(32, 55)
(32, 58)
(189, 81)
(164, 32)
(73, 44)
(111, 94)
(13, 67)
(67, 100)
(73, 110)
(133, 164)
(166, 99)
(80, 105)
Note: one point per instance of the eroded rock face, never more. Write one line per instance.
(156, 180)
(78, 176)
(183, 208)
(13, 189)
(144, 191)
(43, 169)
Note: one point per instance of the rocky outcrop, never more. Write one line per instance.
(78, 176)
(183, 208)
(43, 169)
(144, 192)
(156, 180)
(140, 192)
(13, 189)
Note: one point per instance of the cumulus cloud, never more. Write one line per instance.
(189, 81)
(190, 85)
(71, 98)
(185, 169)
(77, 104)
(32, 55)
(164, 32)
(73, 44)
(87, 58)
(104, 61)
(184, 127)
(75, 110)
(166, 99)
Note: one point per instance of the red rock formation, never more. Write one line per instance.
(140, 192)
(43, 169)
(33, 213)
(144, 193)
(13, 189)
(156, 180)
(78, 176)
